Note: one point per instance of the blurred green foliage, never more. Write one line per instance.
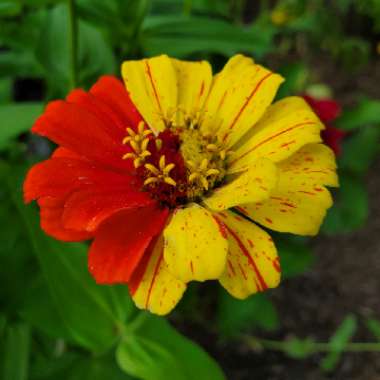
(55, 322)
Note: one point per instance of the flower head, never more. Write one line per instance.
(168, 174)
(328, 110)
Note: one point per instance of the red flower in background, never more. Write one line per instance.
(328, 110)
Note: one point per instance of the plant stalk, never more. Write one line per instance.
(73, 44)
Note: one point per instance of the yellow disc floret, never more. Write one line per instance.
(205, 161)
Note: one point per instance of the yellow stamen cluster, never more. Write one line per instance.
(201, 173)
(179, 117)
(160, 174)
(218, 148)
(139, 143)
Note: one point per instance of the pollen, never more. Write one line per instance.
(205, 160)
(138, 141)
(202, 173)
(160, 173)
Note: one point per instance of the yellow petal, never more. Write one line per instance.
(253, 185)
(252, 262)
(239, 96)
(157, 290)
(193, 82)
(287, 125)
(299, 202)
(152, 86)
(195, 247)
(316, 162)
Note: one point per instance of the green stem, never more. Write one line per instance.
(73, 44)
(315, 347)
(187, 7)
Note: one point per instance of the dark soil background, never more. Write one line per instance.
(345, 279)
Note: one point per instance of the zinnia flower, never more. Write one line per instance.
(168, 174)
(328, 110)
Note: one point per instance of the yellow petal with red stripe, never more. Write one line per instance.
(239, 96)
(252, 262)
(193, 82)
(299, 202)
(253, 185)
(288, 125)
(316, 162)
(152, 86)
(195, 245)
(157, 290)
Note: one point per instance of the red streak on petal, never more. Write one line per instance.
(231, 267)
(202, 89)
(221, 225)
(306, 192)
(287, 144)
(269, 220)
(276, 198)
(242, 272)
(258, 85)
(156, 269)
(149, 72)
(241, 210)
(276, 264)
(248, 256)
(288, 204)
(270, 138)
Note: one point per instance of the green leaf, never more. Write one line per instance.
(40, 312)
(181, 36)
(295, 257)
(338, 342)
(16, 119)
(299, 348)
(95, 56)
(18, 63)
(6, 85)
(367, 112)
(41, 3)
(93, 315)
(295, 75)
(360, 150)
(350, 209)
(153, 350)
(10, 8)
(235, 315)
(373, 325)
(16, 351)
(3, 323)
(96, 369)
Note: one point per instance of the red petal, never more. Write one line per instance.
(113, 93)
(333, 137)
(51, 210)
(114, 124)
(85, 210)
(326, 109)
(138, 273)
(62, 152)
(121, 241)
(57, 177)
(81, 131)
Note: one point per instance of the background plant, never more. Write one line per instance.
(55, 323)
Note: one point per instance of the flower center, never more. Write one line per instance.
(179, 165)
